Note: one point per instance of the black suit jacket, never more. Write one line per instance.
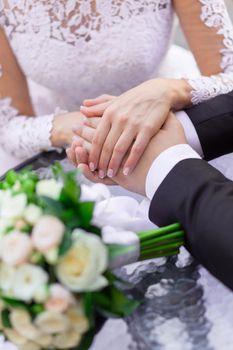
(213, 121)
(199, 196)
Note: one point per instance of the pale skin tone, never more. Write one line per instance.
(13, 84)
(169, 135)
(129, 121)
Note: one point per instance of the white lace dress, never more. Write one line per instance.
(70, 50)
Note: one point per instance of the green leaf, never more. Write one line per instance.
(87, 340)
(11, 177)
(6, 319)
(51, 206)
(66, 243)
(37, 309)
(15, 303)
(86, 210)
(114, 303)
(89, 307)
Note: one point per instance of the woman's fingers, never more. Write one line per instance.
(92, 122)
(93, 176)
(95, 101)
(81, 155)
(109, 147)
(71, 151)
(120, 150)
(85, 132)
(96, 110)
(141, 142)
(97, 143)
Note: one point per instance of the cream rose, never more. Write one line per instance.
(47, 233)
(28, 278)
(22, 323)
(49, 188)
(59, 298)
(16, 248)
(51, 322)
(78, 319)
(82, 266)
(32, 214)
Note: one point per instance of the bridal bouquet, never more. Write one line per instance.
(56, 261)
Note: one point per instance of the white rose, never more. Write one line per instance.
(13, 206)
(28, 279)
(59, 298)
(16, 248)
(41, 294)
(81, 268)
(7, 277)
(32, 214)
(52, 256)
(47, 233)
(49, 188)
(51, 322)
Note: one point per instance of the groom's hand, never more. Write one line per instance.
(171, 134)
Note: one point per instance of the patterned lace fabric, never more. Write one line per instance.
(23, 136)
(214, 15)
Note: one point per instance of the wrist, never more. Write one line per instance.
(179, 93)
(58, 134)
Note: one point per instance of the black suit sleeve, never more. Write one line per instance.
(201, 199)
(213, 121)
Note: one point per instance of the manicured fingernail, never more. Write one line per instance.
(126, 171)
(110, 173)
(101, 174)
(92, 166)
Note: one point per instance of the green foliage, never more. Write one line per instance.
(112, 302)
(5, 314)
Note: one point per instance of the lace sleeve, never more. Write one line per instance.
(210, 36)
(23, 136)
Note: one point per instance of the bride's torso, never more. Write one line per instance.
(83, 48)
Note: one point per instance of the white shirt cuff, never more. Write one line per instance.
(190, 132)
(164, 163)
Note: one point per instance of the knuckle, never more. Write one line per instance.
(119, 150)
(109, 113)
(123, 119)
(107, 149)
(96, 141)
(135, 123)
(148, 128)
(137, 149)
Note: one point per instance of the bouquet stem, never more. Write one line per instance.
(165, 241)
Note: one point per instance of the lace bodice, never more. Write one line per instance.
(82, 48)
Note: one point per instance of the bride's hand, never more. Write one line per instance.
(130, 121)
(63, 126)
(171, 134)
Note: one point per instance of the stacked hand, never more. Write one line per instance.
(169, 135)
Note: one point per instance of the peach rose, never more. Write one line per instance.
(59, 300)
(16, 248)
(47, 233)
